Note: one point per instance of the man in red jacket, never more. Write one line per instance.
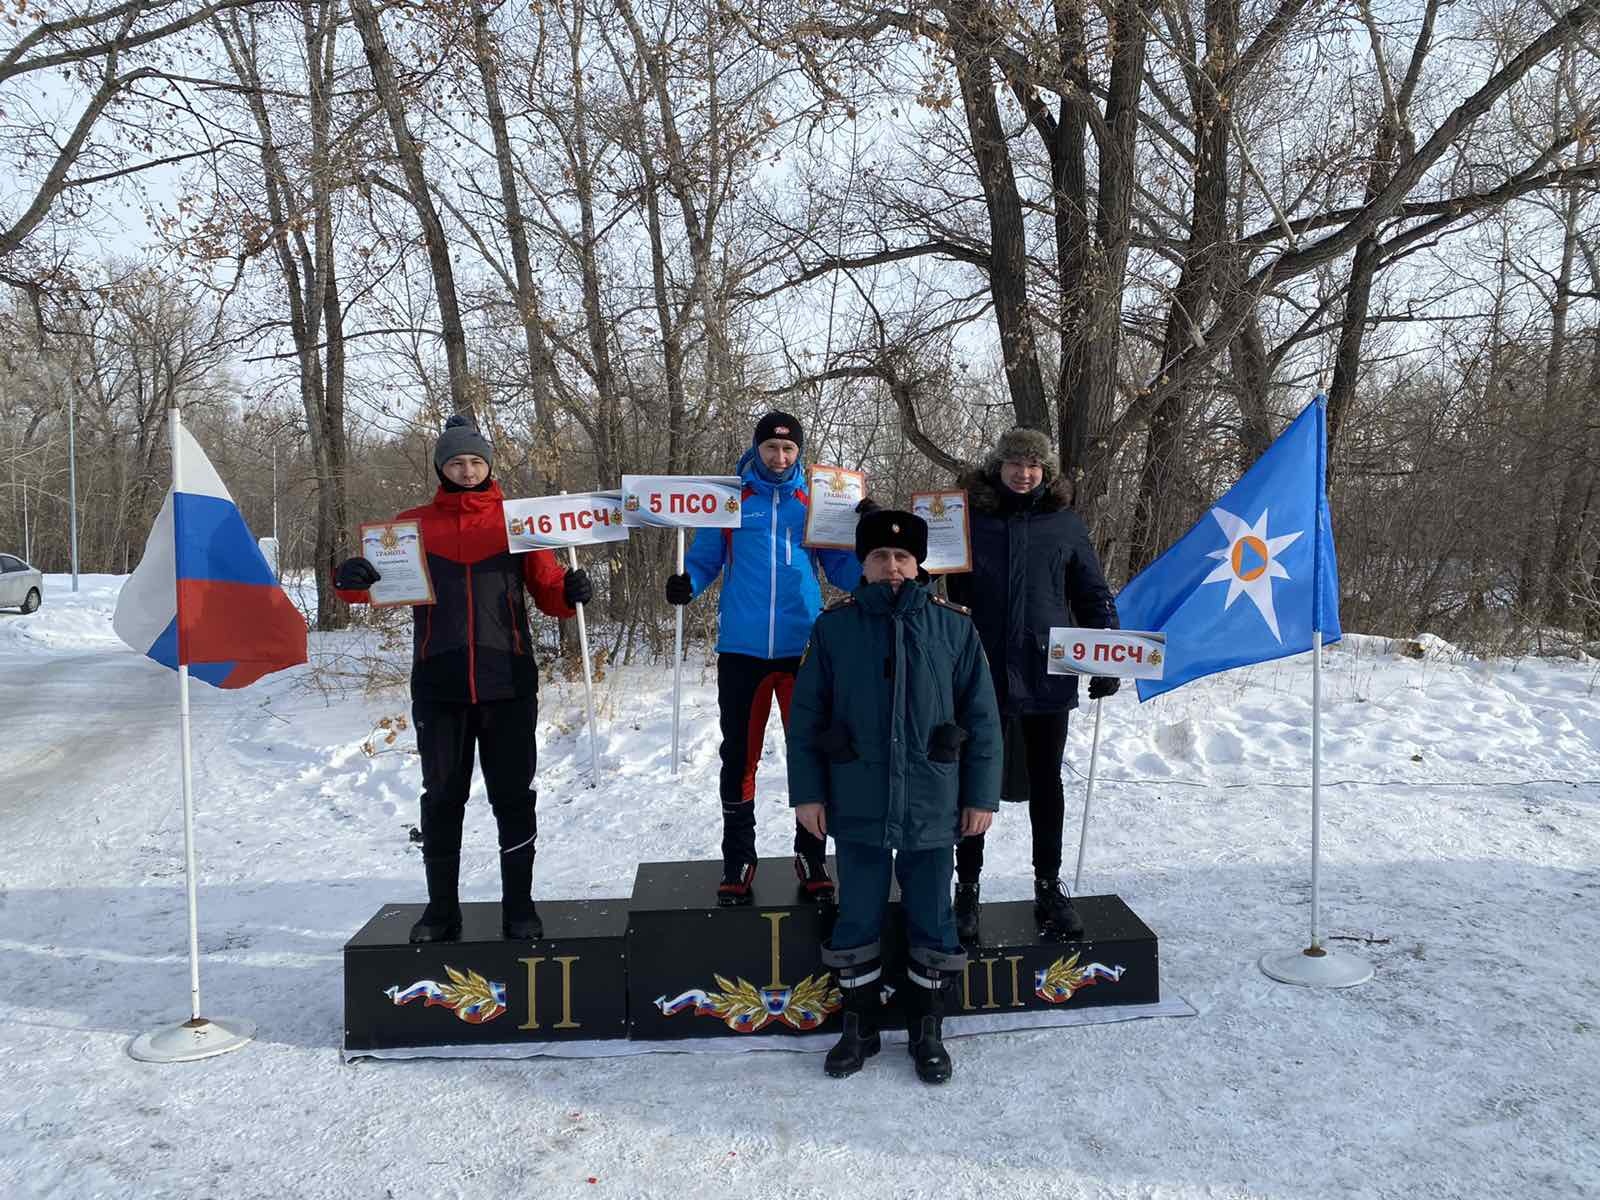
(474, 680)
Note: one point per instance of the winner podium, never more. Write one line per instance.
(667, 965)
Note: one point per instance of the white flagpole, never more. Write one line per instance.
(677, 664)
(588, 676)
(1316, 966)
(197, 1037)
(1315, 949)
(1088, 797)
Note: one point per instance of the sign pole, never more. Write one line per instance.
(1088, 797)
(680, 502)
(588, 680)
(197, 1037)
(677, 664)
(588, 675)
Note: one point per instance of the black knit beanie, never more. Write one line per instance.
(779, 425)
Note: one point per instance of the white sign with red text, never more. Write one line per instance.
(1127, 653)
(576, 519)
(683, 501)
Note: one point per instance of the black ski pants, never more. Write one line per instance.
(1043, 742)
(746, 687)
(501, 733)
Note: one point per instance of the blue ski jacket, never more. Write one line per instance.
(770, 593)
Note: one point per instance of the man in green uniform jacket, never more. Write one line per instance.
(895, 750)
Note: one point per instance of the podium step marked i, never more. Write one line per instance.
(668, 965)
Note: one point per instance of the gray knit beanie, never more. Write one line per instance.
(1024, 445)
(461, 436)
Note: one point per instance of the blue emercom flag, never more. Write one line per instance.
(1256, 577)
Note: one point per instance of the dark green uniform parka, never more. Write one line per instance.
(893, 725)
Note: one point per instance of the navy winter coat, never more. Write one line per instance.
(892, 725)
(1033, 568)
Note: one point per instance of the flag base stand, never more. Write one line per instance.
(196, 1039)
(1316, 967)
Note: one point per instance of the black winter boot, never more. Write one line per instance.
(1053, 910)
(923, 998)
(738, 878)
(519, 919)
(815, 882)
(967, 914)
(858, 1041)
(441, 920)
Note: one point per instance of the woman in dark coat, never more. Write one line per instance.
(1033, 567)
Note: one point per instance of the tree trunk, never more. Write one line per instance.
(1008, 248)
(541, 366)
(1087, 428)
(465, 390)
(1160, 507)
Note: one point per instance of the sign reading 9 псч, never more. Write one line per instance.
(1127, 653)
(682, 501)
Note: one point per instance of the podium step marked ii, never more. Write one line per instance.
(668, 964)
(484, 990)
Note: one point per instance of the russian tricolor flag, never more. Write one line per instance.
(202, 595)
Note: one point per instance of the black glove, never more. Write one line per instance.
(576, 588)
(355, 575)
(1102, 686)
(867, 505)
(944, 745)
(679, 589)
(836, 743)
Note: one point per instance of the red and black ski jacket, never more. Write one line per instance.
(473, 644)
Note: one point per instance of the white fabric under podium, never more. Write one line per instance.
(960, 1025)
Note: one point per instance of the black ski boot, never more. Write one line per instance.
(1053, 910)
(858, 1040)
(967, 931)
(815, 882)
(519, 919)
(441, 920)
(923, 998)
(738, 878)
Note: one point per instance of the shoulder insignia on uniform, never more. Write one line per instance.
(952, 605)
(844, 601)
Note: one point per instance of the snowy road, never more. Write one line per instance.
(122, 707)
(1462, 858)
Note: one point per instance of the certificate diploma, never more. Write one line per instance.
(949, 538)
(832, 496)
(395, 549)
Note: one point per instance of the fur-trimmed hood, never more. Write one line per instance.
(983, 492)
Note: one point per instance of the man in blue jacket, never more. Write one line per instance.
(895, 750)
(770, 597)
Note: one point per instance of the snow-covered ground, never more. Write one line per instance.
(1461, 857)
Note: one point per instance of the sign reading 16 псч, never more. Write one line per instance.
(682, 501)
(574, 519)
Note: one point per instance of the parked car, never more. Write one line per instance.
(20, 585)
